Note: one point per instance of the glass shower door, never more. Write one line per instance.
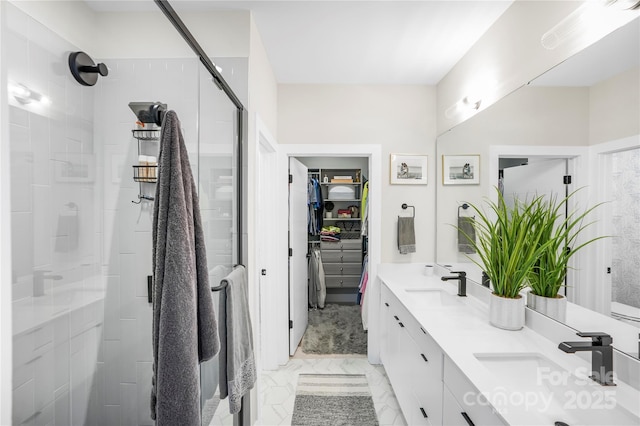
(218, 178)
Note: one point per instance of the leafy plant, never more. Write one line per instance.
(547, 275)
(510, 245)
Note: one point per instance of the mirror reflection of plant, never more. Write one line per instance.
(560, 235)
(509, 245)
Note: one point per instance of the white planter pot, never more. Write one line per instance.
(505, 313)
(553, 307)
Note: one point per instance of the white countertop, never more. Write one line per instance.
(463, 329)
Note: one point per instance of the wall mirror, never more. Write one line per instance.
(581, 118)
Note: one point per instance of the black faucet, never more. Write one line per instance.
(601, 355)
(462, 282)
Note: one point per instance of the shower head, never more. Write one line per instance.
(149, 112)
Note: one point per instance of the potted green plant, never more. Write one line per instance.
(508, 244)
(547, 276)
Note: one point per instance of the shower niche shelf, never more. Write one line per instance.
(145, 173)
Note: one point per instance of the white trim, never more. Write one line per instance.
(601, 255)
(374, 153)
(579, 159)
(265, 213)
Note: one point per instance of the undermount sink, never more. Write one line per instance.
(532, 382)
(425, 298)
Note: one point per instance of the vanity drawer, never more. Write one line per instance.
(348, 281)
(342, 268)
(335, 256)
(463, 391)
(427, 346)
(355, 244)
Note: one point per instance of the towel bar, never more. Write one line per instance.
(405, 206)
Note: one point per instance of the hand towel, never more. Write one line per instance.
(466, 231)
(237, 363)
(184, 321)
(406, 235)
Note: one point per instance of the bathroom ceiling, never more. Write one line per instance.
(355, 42)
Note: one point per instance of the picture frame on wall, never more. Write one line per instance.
(408, 169)
(460, 169)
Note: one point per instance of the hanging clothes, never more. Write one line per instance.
(362, 291)
(315, 205)
(317, 285)
(185, 330)
(364, 210)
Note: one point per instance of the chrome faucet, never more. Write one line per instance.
(38, 281)
(601, 355)
(462, 281)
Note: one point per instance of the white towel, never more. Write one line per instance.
(237, 364)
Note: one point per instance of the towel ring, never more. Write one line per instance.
(405, 206)
(463, 206)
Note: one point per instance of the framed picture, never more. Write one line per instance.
(408, 169)
(460, 169)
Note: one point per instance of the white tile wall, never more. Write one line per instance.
(94, 364)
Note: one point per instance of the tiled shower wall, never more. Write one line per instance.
(126, 226)
(82, 349)
(625, 184)
(55, 221)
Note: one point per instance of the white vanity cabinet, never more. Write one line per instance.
(413, 363)
(463, 404)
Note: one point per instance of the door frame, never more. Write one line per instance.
(579, 158)
(601, 253)
(279, 345)
(266, 165)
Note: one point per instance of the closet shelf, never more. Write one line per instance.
(339, 183)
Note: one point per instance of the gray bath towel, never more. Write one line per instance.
(406, 235)
(237, 364)
(466, 232)
(185, 330)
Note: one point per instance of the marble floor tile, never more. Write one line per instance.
(277, 390)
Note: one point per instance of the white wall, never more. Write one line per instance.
(401, 119)
(262, 103)
(511, 53)
(531, 116)
(150, 35)
(614, 108)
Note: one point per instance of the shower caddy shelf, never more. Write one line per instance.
(145, 173)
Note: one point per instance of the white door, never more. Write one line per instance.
(298, 287)
(539, 177)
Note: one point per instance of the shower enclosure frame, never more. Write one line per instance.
(243, 417)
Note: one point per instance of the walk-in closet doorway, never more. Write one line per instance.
(328, 250)
(279, 291)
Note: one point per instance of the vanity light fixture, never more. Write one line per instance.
(584, 18)
(467, 104)
(25, 95)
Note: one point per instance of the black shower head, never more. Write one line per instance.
(149, 112)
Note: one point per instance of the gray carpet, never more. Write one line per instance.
(336, 329)
(333, 399)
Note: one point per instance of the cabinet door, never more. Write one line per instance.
(385, 314)
(452, 413)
